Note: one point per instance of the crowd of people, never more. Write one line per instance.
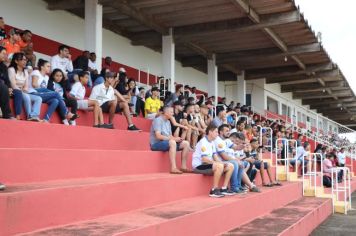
(226, 138)
(229, 142)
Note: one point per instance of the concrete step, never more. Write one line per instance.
(24, 134)
(299, 217)
(185, 217)
(35, 165)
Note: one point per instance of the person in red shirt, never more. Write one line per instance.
(11, 44)
(26, 46)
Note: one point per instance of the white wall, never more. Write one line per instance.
(69, 29)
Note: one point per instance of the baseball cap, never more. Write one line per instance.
(122, 70)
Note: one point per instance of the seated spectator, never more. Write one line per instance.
(302, 152)
(193, 94)
(256, 160)
(78, 93)
(111, 101)
(38, 86)
(140, 103)
(93, 68)
(192, 124)
(175, 96)
(100, 79)
(206, 161)
(122, 85)
(238, 145)
(204, 114)
(161, 139)
(179, 123)
(81, 63)
(152, 104)
(220, 116)
(19, 77)
(26, 47)
(2, 29)
(2, 187)
(108, 64)
(300, 140)
(63, 61)
(223, 146)
(5, 87)
(341, 158)
(56, 83)
(12, 43)
(134, 93)
(327, 170)
(187, 92)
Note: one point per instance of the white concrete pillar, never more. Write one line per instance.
(213, 78)
(168, 58)
(94, 29)
(241, 88)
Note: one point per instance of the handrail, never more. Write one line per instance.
(312, 174)
(336, 189)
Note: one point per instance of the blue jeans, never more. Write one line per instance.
(162, 146)
(236, 177)
(134, 101)
(17, 101)
(32, 110)
(54, 100)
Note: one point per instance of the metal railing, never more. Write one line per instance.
(166, 86)
(312, 174)
(343, 188)
(269, 140)
(286, 159)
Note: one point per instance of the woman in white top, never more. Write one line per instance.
(38, 86)
(19, 76)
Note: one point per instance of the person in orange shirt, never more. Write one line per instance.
(11, 44)
(26, 46)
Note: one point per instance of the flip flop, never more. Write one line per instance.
(176, 172)
(267, 185)
(186, 170)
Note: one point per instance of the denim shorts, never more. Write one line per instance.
(162, 146)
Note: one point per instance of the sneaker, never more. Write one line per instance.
(65, 122)
(216, 193)
(96, 126)
(255, 189)
(133, 128)
(36, 119)
(73, 123)
(2, 187)
(106, 126)
(244, 188)
(227, 192)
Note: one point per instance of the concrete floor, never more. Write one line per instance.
(339, 225)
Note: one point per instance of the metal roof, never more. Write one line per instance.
(265, 38)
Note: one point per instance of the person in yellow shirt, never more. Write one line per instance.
(153, 104)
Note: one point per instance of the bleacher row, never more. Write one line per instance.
(84, 181)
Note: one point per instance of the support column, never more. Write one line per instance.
(168, 58)
(241, 88)
(94, 29)
(213, 78)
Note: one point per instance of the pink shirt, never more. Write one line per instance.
(327, 165)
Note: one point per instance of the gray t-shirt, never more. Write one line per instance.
(161, 125)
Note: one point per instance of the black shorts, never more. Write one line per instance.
(258, 164)
(205, 169)
(106, 108)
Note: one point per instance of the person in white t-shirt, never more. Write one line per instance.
(38, 86)
(107, 97)
(206, 161)
(341, 159)
(63, 61)
(78, 93)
